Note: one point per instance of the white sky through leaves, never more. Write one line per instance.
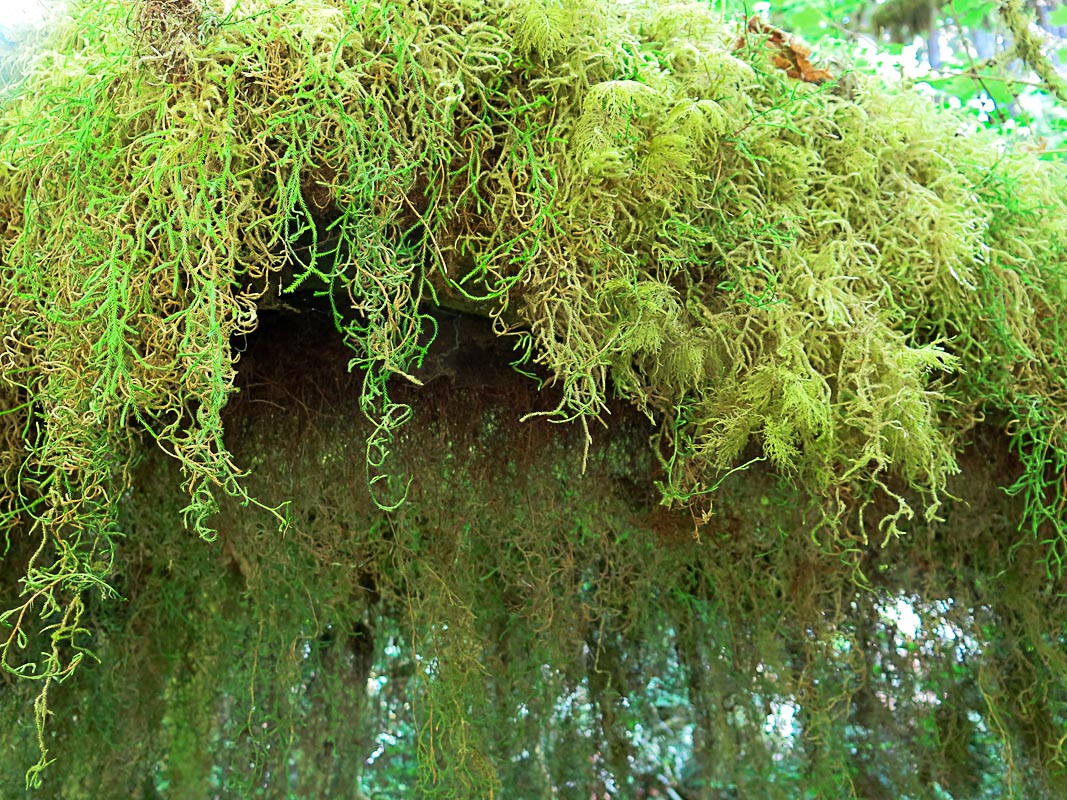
(21, 13)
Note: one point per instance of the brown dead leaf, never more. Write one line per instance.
(790, 52)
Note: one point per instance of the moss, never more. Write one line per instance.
(834, 285)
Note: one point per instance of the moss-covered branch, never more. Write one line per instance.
(836, 280)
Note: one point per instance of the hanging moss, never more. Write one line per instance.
(813, 293)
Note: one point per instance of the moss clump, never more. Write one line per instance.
(834, 281)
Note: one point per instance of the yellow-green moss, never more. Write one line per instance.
(836, 280)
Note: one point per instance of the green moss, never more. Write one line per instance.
(836, 282)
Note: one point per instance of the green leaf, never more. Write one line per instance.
(1058, 17)
(972, 12)
(1000, 93)
(807, 22)
(961, 86)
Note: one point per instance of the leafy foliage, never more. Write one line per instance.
(999, 61)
